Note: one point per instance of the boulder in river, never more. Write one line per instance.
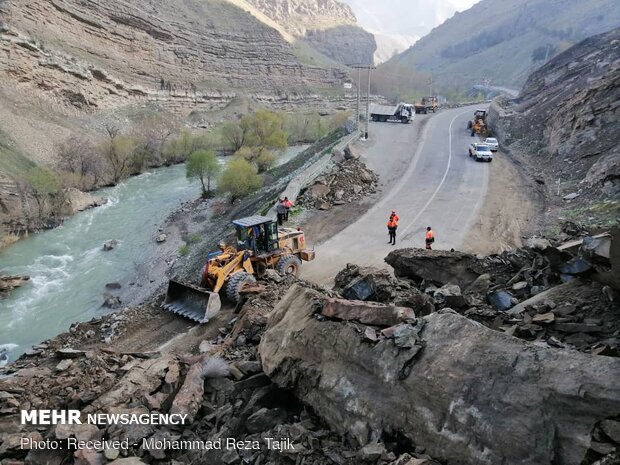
(110, 245)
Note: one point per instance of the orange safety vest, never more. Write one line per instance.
(392, 224)
(430, 235)
(395, 218)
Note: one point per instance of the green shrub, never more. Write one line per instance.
(240, 179)
(203, 165)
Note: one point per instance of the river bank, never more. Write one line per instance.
(72, 276)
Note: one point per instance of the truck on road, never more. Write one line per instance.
(427, 104)
(401, 113)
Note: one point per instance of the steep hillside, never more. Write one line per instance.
(565, 126)
(95, 54)
(327, 25)
(502, 41)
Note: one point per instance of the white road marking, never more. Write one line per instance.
(445, 175)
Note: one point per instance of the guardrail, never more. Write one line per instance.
(312, 171)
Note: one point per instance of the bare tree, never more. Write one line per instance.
(78, 156)
(152, 133)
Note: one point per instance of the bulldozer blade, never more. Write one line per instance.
(192, 302)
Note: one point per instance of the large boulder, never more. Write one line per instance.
(471, 395)
(438, 266)
(367, 283)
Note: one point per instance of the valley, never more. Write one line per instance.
(200, 220)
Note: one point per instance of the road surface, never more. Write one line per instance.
(428, 179)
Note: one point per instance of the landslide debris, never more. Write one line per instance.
(347, 181)
(564, 296)
(382, 370)
(222, 388)
(465, 393)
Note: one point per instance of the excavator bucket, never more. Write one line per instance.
(192, 302)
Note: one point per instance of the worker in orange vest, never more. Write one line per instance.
(392, 225)
(395, 216)
(430, 238)
(287, 205)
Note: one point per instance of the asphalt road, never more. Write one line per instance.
(428, 179)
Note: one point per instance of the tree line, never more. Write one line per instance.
(255, 140)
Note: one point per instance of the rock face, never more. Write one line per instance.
(328, 25)
(97, 54)
(8, 283)
(575, 97)
(461, 410)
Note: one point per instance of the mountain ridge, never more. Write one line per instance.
(500, 42)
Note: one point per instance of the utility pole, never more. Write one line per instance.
(357, 113)
(359, 68)
(370, 68)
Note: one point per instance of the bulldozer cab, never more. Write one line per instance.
(480, 115)
(258, 234)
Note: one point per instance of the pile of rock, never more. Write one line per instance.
(223, 391)
(346, 182)
(539, 293)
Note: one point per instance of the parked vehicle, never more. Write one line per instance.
(492, 143)
(427, 104)
(480, 152)
(401, 113)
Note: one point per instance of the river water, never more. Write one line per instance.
(68, 267)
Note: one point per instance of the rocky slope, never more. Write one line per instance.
(328, 25)
(565, 123)
(99, 54)
(502, 41)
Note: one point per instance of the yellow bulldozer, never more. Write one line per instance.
(261, 245)
(478, 125)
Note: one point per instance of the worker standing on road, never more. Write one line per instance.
(396, 218)
(430, 238)
(287, 204)
(281, 211)
(392, 225)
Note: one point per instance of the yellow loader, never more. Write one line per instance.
(478, 125)
(261, 245)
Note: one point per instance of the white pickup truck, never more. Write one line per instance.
(480, 152)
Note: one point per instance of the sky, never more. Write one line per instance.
(397, 24)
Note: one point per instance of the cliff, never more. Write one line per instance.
(566, 121)
(100, 54)
(329, 26)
